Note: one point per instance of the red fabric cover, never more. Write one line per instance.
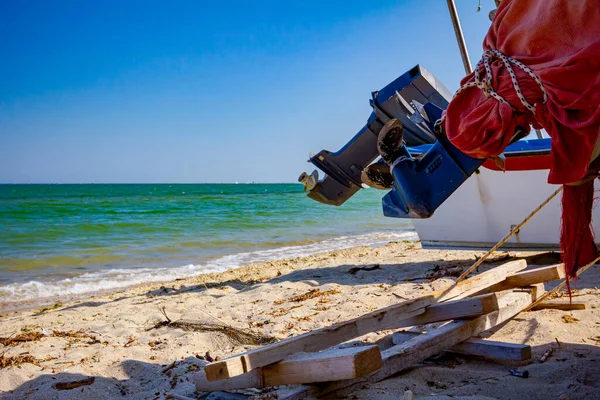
(577, 236)
(560, 41)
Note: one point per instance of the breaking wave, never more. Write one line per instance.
(89, 283)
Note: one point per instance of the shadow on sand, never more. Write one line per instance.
(386, 273)
(570, 373)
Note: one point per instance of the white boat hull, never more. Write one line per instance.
(486, 207)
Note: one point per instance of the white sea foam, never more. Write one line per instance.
(93, 282)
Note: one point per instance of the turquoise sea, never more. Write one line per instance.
(58, 240)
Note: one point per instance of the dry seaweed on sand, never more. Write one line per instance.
(15, 340)
(235, 334)
(569, 319)
(311, 294)
(238, 335)
(45, 309)
(8, 361)
(280, 312)
(21, 338)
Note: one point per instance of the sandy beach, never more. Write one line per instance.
(146, 342)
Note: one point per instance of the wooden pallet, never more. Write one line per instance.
(474, 305)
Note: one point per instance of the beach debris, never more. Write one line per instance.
(177, 397)
(8, 361)
(497, 259)
(174, 379)
(21, 338)
(569, 319)
(305, 318)
(316, 340)
(240, 336)
(332, 364)
(546, 354)
(74, 384)
(437, 385)
(30, 328)
(560, 305)
(561, 294)
(449, 304)
(287, 328)
(353, 271)
(80, 334)
(160, 324)
(169, 367)
(311, 294)
(283, 311)
(408, 395)
(394, 359)
(477, 347)
(520, 374)
(46, 309)
(399, 296)
(439, 271)
(243, 337)
(208, 358)
(259, 324)
(15, 340)
(157, 344)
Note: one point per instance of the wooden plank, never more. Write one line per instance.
(493, 349)
(316, 340)
(528, 278)
(560, 305)
(327, 337)
(481, 282)
(415, 350)
(537, 275)
(479, 347)
(377, 320)
(456, 309)
(310, 362)
(328, 365)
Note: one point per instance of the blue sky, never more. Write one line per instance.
(205, 91)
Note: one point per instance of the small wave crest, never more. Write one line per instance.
(112, 279)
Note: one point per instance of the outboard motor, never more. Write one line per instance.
(416, 99)
(422, 184)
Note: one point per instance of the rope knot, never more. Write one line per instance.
(485, 84)
(487, 89)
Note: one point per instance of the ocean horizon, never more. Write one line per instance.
(77, 239)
